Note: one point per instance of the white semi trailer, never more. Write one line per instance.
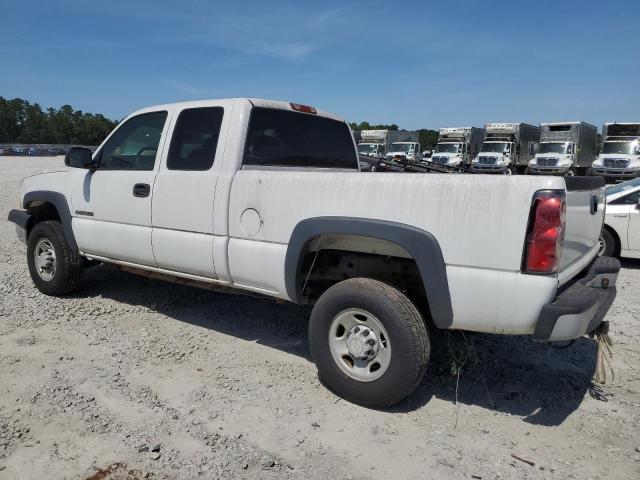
(620, 153)
(457, 146)
(373, 143)
(566, 148)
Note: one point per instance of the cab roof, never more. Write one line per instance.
(255, 102)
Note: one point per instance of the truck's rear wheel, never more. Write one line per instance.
(369, 342)
(54, 265)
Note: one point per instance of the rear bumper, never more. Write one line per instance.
(580, 308)
(22, 219)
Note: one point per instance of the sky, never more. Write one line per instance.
(419, 64)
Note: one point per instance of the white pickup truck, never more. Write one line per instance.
(266, 197)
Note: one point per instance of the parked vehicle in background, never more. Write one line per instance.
(266, 197)
(409, 151)
(404, 145)
(368, 164)
(507, 148)
(621, 231)
(620, 153)
(373, 143)
(566, 148)
(457, 146)
(427, 154)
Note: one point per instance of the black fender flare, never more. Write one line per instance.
(59, 201)
(420, 244)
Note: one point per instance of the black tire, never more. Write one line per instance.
(68, 265)
(406, 328)
(609, 243)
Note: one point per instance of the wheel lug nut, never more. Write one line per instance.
(356, 330)
(365, 332)
(371, 342)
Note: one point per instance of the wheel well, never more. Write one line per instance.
(329, 259)
(40, 212)
(616, 237)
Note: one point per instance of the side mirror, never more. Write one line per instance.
(79, 157)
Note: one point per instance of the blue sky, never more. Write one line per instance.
(418, 64)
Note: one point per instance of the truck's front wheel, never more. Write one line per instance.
(369, 342)
(54, 265)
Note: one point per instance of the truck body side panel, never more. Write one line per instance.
(468, 215)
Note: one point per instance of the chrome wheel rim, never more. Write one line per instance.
(360, 345)
(603, 246)
(44, 259)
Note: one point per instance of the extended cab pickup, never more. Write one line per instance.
(267, 197)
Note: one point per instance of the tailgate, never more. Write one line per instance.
(585, 214)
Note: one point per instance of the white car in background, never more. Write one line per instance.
(621, 231)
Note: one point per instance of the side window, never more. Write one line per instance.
(195, 138)
(631, 199)
(291, 139)
(134, 146)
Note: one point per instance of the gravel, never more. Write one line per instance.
(131, 378)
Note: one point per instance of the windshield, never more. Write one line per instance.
(553, 148)
(400, 147)
(616, 147)
(367, 148)
(448, 147)
(499, 147)
(621, 187)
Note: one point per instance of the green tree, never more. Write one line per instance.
(368, 126)
(35, 128)
(23, 122)
(427, 138)
(11, 119)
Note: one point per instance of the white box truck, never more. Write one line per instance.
(404, 145)
(620, 153)
(507, 148)
(373, 143)
(457, 146)
(566, 148)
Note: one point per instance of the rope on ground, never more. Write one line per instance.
(603, 363)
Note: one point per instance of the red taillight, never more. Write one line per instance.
(545, 235)
(303, 108)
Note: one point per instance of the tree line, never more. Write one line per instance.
(427, 138)
(24, 122)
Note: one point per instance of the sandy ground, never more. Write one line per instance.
(130, 378)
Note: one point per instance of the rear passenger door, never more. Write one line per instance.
(184, 190)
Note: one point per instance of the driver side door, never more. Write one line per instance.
(112, 205)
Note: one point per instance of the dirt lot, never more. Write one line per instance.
(130, 378)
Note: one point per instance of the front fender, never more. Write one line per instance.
(59, 201)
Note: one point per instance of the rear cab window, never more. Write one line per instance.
(195, 139)
(283, 138)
